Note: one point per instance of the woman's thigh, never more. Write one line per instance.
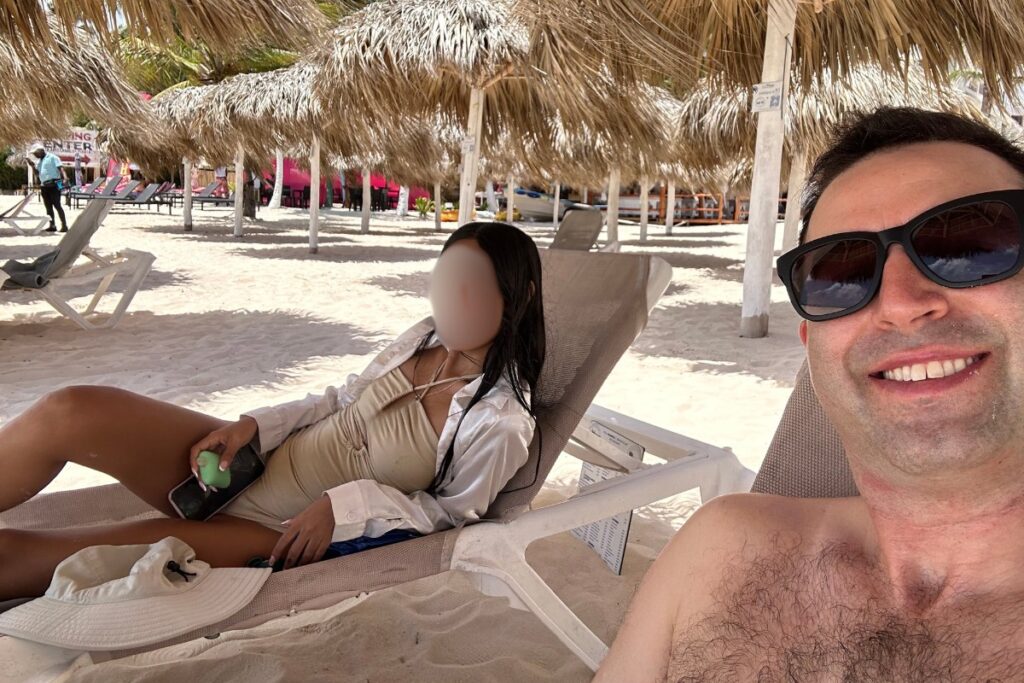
(141, 442)
(28, 558)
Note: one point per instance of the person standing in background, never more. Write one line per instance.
(51, 173)
(78, 169)
(221, 174)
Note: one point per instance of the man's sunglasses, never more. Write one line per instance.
(970, 241)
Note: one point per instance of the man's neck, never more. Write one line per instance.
(938, 548)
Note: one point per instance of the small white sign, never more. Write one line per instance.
(608, 537)
(468, 145)
(767, 97)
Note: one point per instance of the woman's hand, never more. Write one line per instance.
(226, 441)
(307, 536)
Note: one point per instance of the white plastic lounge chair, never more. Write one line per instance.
(62, 271)
(19, 214)
(595, 305)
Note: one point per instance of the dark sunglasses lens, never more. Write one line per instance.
(835, 276)
(972, 243)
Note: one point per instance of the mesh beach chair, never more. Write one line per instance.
(578, 230)
(595, 306)
(50, 275)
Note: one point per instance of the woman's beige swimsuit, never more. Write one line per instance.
(376, 437)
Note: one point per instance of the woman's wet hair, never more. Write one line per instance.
(519, 347)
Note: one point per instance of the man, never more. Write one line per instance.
(50, 171)
(915, 342)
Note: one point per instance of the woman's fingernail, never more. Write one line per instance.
(286, 522)
(271, 560)
(222, 467)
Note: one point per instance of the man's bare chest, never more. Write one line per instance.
(809, 620)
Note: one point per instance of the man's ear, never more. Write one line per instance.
(803, 332)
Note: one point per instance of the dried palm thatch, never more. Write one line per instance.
(532, 60)
(75, 73)
(716, 122)
(220, 24)
(837, 36)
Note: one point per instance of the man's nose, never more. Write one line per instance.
(906, 298)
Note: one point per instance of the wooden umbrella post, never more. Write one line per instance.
(239, 188)
(470, 156)
(314, 195)
(367, 199)
(764, 189)
(275, 198)
(558, 201)
(797, 177)
(437, 206)
(613, 205)
(670, 207)
(510, 201)
(644, 199)
(186, 194)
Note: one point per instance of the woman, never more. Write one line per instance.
(423, 439)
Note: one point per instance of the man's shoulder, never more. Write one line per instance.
(741, 526)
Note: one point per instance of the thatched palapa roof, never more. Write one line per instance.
(220, 24)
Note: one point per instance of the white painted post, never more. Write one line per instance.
(437, 206)
(470, 156)
(670, 208)
(492, 199)
(239, 188)
(644, 199)
(367, 198)
(314, 195)
(403, 201)
(510, 201)
(586, 196)
(558, 205)
(275, 199)
(613, 205)
(186, 194)
(764, 190)
(797, 177)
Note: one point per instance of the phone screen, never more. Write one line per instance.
(192, 502)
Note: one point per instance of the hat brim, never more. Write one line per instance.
(135, 622)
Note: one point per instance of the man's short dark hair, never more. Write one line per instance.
(888, 127)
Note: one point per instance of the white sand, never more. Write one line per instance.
(223, 325)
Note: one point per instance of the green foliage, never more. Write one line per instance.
(10, 178)
(424, 206)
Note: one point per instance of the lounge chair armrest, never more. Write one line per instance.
(713, 473)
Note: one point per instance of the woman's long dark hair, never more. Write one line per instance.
(519, 347)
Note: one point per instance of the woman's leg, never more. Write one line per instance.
(141, 442)
(28, 558)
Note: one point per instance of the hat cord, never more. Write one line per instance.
(173, 566)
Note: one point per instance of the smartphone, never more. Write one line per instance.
(192, 502)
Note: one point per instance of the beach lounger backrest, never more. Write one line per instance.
(15, 209)
(127, 189)
(806, 458)
(595, 305)
(92, 187)
(77, 238)
(147, 194)
(111, 187)
(208, 190)
(578, 230)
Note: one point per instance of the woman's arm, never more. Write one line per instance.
(494, 451)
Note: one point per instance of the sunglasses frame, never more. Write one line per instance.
(902, 235)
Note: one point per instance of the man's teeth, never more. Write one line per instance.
(932, 370)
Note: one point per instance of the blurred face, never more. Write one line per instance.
(465, 297)
(971, 411)
(39, 154)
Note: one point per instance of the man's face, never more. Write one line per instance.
(39, 154)
(936, 425)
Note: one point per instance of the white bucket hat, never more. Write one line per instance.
(38, 147)
(110, 597)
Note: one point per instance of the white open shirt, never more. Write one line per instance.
(491, 445)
